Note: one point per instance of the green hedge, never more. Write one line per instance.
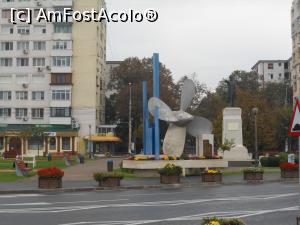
(272, 161)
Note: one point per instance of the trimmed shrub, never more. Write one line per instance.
(271, 161)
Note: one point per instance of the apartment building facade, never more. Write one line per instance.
(295, 65)
(50, 75)
(273, 70)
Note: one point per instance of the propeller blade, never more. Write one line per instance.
(165, 112)
(199, 126)
(187, 94)
(174, 140)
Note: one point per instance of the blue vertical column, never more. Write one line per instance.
(155, 60)
(146, 120)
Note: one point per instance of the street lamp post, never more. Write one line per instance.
(255, 111)
(89, 143)
(129, 121)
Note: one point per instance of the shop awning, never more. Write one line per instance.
(97, 138)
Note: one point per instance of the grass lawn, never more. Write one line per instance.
(41, 162)
(126, 173)
(11, 176)
(239, 170)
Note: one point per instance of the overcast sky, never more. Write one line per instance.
(209, 37)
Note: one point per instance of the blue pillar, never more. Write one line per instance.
(146, 137)
(156, 146)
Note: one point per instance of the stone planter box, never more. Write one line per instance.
(110, 182)
(289, 173)
(212, 177)
(164, 179)
(253, 176)
(50, 183)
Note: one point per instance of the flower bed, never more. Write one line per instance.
(108, 179)
(212, 176)
(289, 170)
(50, 178)
(217, 221)
(253, 174)
(168, 157)
(170, 174)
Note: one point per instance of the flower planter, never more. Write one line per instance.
(50, 183)
(174, 179)
(110, 181)
(253, 176)
(289, 173)
(212, 177)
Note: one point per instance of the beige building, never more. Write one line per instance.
(295, 64)
(89, 54)
(51, 79)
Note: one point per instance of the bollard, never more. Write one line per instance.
(110, 165)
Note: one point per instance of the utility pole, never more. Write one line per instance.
(90, 141)
(129, 121)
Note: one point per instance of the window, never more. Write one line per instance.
(6, 62)
(7, 0)
(279, 75)
(5, 112)
(61, 61)
(35, 143)
(23, 45)
(38, 62)
(271, 76)
(38, 95)
(37, 113)
(23, 30)
(7, 46)
(7, 29)
(39, 29)
(5, 95)
(21, 95)
(270, 66)
(61, 95)
(60, 112)
(62, 28)
(6, 13)
(22, 62)
(59, 79)
(60, 45)
(286, 65)
(52, 143)
(279, 64)
(287, 76)
(39, 45)
(21, 113)
(66, 143)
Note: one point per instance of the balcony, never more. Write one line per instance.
(61, 79)
(65, 3)
(60, 120)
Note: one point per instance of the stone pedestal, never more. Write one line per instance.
(232, 131)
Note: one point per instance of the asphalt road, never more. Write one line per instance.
(264, 204)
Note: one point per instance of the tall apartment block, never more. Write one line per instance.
(51, 75)
(295, 68)
(273, 70)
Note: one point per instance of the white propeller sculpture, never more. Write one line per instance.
(180, 121)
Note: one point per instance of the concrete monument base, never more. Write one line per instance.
(237, 153)
(185, 164)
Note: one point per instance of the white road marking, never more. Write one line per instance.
(69, 207)
(197, 217)
(21, 195)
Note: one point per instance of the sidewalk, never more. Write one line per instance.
(79, 178)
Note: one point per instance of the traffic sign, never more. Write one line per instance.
(295, 125)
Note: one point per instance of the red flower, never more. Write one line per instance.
(52, 172)
(289, 166)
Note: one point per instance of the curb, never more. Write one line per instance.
(138, 187)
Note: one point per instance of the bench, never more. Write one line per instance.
(21, 169)
(26, 160)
